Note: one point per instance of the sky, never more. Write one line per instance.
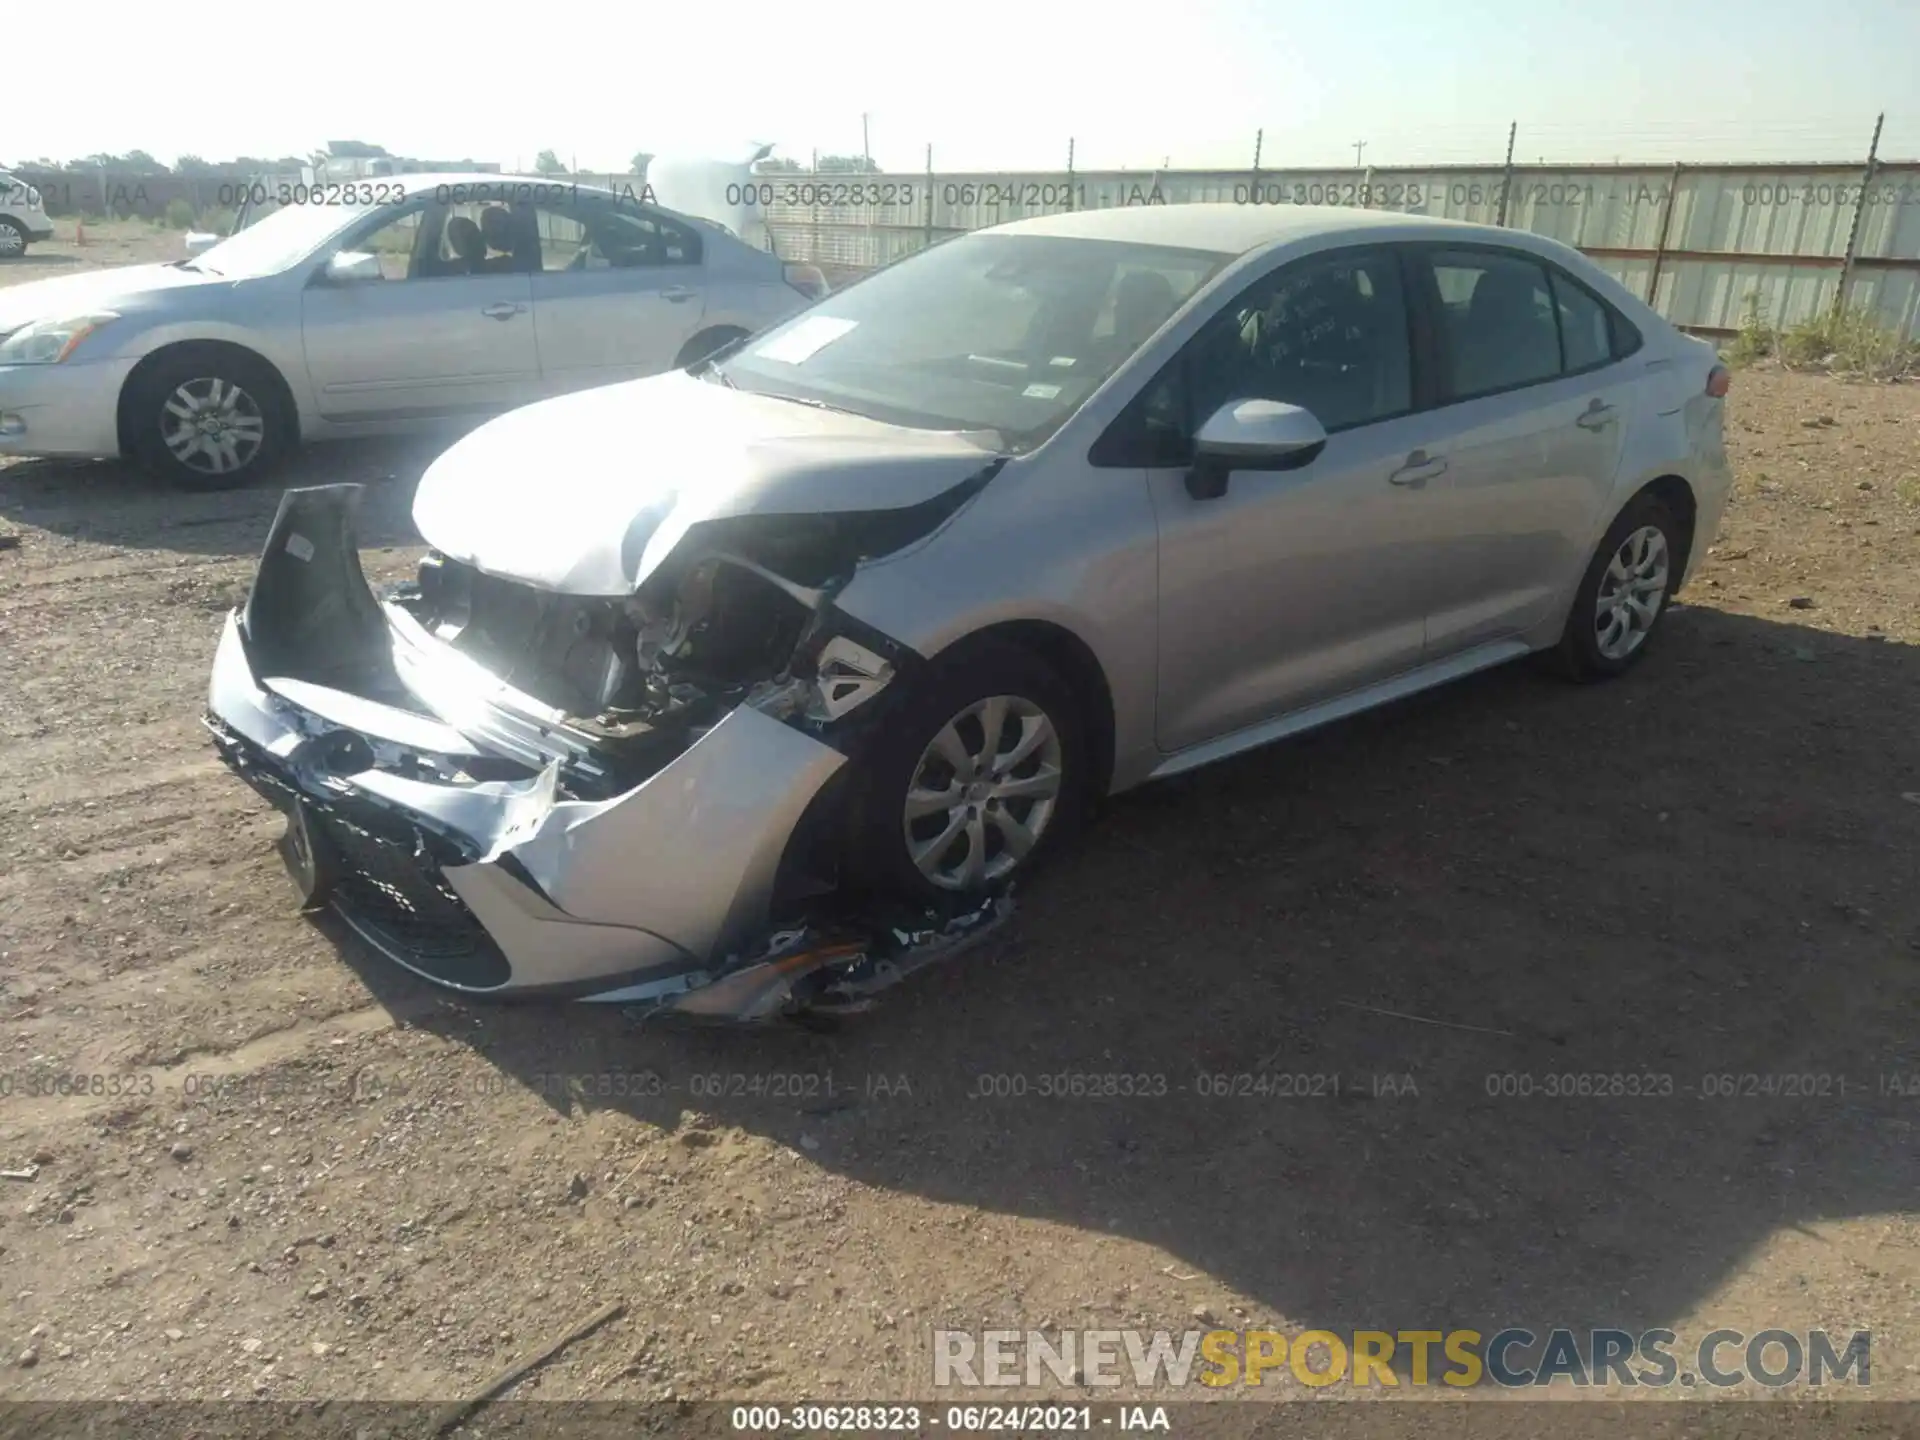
(990, 84)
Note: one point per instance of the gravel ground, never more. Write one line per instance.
(305, 1176)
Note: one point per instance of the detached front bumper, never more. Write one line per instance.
(65, 410)
(494, 886)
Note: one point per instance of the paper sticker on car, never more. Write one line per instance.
(805, 340)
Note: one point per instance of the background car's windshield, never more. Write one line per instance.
(276, 242)
(1009, 333)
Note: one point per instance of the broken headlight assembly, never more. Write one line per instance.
(844, 676)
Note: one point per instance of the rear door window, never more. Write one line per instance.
(1585, 331)
(1498, 328)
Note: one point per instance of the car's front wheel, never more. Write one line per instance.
(977, 778)
(1623, 594)
(206, 420)
(13, 238)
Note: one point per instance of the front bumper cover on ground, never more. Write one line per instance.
(658, 895)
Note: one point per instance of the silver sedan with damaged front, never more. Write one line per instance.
(748, 689)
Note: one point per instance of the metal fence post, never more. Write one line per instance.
(1506, 180)
(813, 211)
(1666, 220)
(929, 240)
(1070, 204)
(1853, 230)
(1259, 139)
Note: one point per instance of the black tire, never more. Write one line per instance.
(879, 862)
(1580, 656)
(260, 396)
(13, 238)
(705, 343)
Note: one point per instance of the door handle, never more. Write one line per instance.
(503, 310)
(677, 293)
(1596, 417)
(1419, 468)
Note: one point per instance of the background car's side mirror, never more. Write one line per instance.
(353, 267)
(1251, 435)
(199, 240)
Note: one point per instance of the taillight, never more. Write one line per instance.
(807, 279)
(1719, 381)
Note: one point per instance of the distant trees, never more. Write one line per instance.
(139, 162)
(548, 163)
(839, 164)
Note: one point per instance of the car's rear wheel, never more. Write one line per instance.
(207, 420)
(1623, 594)
(977, 778)
(13, 238)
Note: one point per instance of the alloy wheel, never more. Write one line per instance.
(983, 792)
(1632, 589)
(213, 426)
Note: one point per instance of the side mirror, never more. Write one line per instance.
(353, 267)
(199, 240)
(1252, 435)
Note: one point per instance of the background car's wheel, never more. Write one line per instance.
(705, 343)
(976, 779)
(207, 420)
(13, 238)
(1623, 594)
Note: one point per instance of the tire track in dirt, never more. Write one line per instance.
(138, 1086)
(47, 757)
(84, 575)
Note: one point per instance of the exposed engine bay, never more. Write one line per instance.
(640, 673)
(746, 618)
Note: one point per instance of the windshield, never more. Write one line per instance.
(283, 238)
(1008, 333)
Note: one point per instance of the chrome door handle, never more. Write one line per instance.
(1596, 417)
(1418, 469)
(677, 293)
(502, 310)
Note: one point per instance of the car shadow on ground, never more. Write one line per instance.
(1344, 978)
(114, 503)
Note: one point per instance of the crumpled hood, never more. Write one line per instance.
(587, 493)
(72, 295)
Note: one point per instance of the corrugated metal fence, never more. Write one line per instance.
(1695, 240)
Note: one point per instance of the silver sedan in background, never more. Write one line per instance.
(389, 305)
(857, 619)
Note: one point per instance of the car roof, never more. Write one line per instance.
(481, 184)
(1229, 229)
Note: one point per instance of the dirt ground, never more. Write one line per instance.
(305, 1176)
